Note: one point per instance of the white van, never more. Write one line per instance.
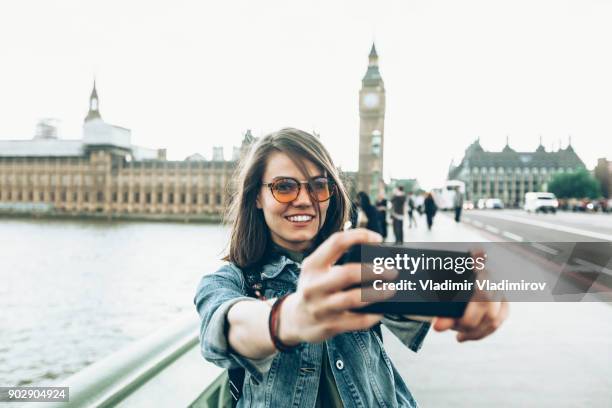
(445, 196)
(544, 202)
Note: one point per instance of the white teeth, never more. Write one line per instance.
(300, 218)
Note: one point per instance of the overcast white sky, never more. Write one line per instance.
(187, 75)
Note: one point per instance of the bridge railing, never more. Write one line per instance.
(162, 369)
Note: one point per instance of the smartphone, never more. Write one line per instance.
(421, 300)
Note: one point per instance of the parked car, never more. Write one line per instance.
(584, 205)
(481, 204)
(494, 204)
(541, 202)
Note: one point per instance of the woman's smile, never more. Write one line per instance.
(300, 220)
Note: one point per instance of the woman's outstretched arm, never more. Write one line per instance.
(248, 328)
(319, 309)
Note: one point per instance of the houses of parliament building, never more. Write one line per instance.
(104, 174)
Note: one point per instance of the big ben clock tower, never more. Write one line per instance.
(371, 129)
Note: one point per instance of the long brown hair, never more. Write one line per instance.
(250, 235)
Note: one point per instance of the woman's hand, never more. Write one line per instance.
(481, 318)
(321, 306)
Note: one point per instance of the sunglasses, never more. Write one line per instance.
(287, 189)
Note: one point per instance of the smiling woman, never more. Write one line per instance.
(279, 314)
(269, 191)
(288, 209)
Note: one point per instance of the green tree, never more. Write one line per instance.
(577, 184)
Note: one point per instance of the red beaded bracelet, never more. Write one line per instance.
(273, 323)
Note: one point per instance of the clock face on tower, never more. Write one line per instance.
(370, 100)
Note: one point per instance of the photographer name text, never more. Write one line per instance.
(450, 285)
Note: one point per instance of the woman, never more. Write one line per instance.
(430, 209)
(370, 218)
(299, 342)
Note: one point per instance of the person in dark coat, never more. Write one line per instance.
(381, 207)
(430, 209)
(458, 204)
(365, 205)
(398, 204)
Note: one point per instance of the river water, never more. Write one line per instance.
(72, 292)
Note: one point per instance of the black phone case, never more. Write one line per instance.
(441, 309)
(454, 309)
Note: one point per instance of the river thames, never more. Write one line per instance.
(73, 292)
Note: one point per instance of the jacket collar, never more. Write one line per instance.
(276, 265)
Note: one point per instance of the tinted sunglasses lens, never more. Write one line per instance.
(322, 188)
(285, 190)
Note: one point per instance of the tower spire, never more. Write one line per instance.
(373, 51)
(569, 147)
(372, 76)
(373, 56)
(94, 104)
(540, 146)
(507, 147)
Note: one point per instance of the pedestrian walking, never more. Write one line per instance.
(430, 209)
(458, 204)
(367, 215)
(411, 209)
(419, 200)
(398, 203)
(381, 207)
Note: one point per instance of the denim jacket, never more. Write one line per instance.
(363, 372)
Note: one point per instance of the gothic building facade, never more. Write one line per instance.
(509, 174)
(104, 173)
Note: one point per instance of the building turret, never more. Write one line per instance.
(540, 148)
(94, 105)
(507, 148)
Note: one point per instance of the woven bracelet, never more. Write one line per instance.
(273, 323)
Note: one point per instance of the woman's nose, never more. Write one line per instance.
(303, 198)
